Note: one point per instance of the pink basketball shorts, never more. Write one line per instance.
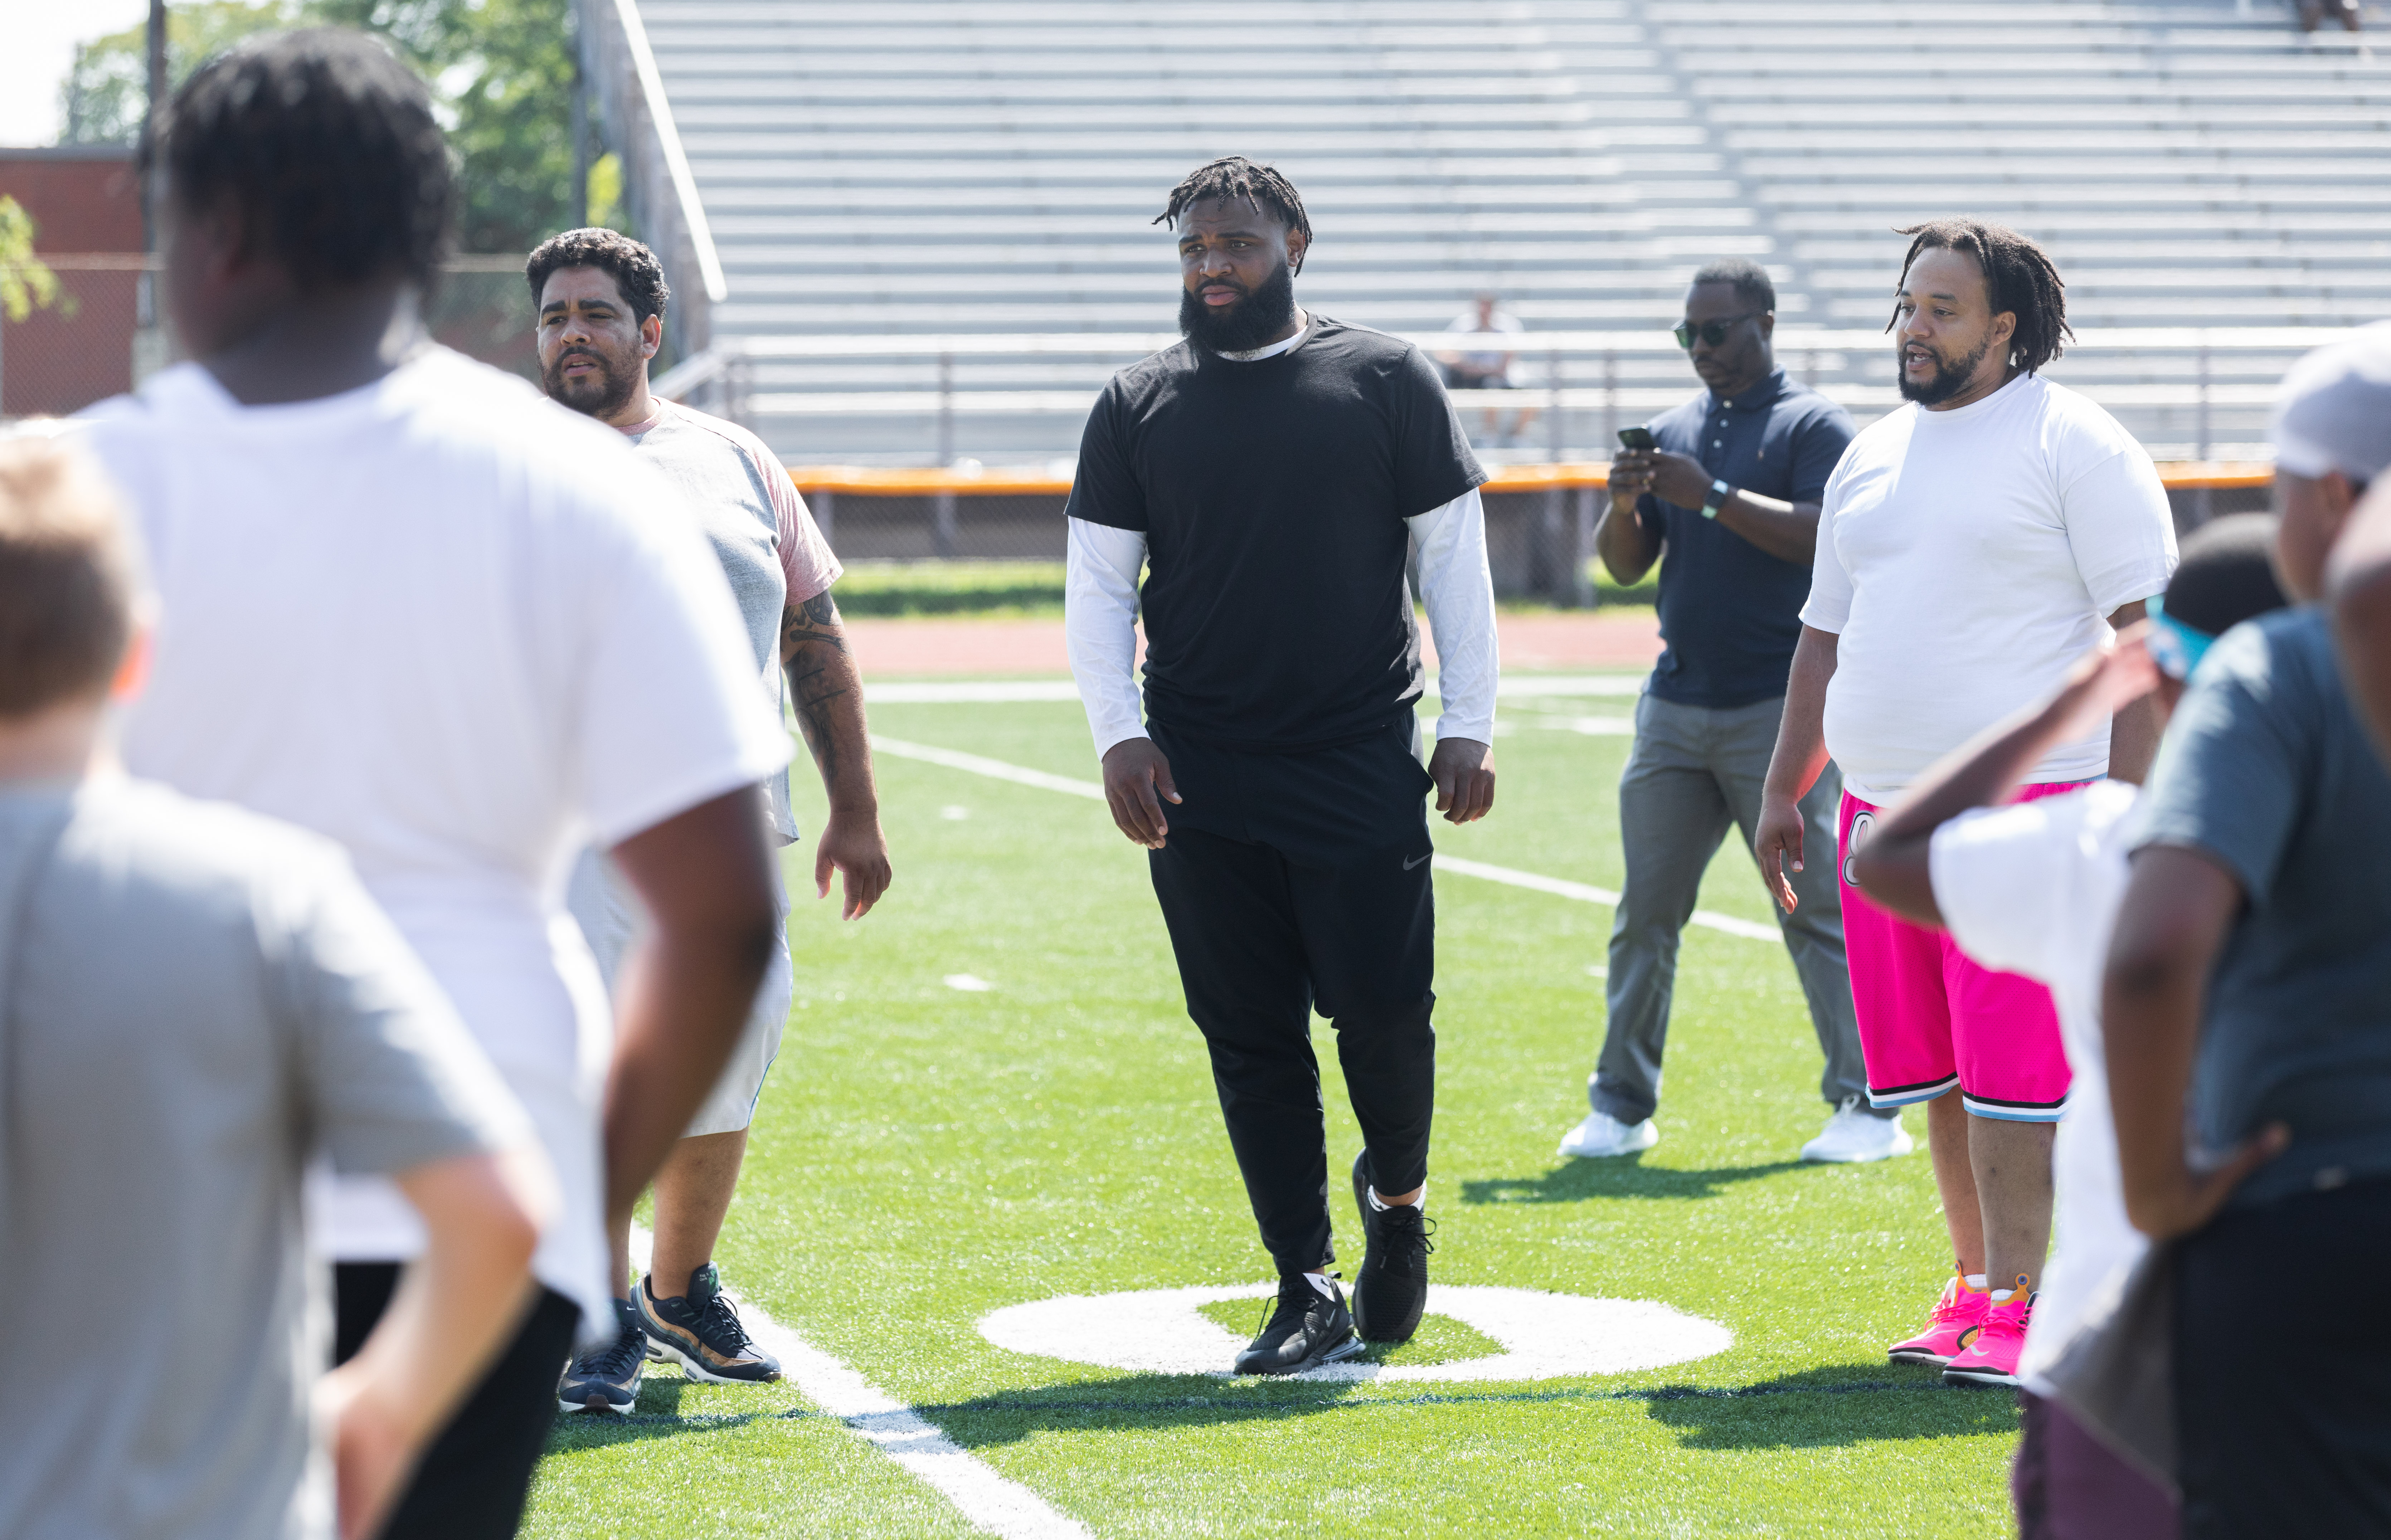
(1930, 1019)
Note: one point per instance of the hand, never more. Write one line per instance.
(373, 1449)
(852, 844)
(2187, 1199)
(1629, 478)
(1777, 840)
(2105, 681)
(1136, 772)
(1463, 772)
(1680, 478)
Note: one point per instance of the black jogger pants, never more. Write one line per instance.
(1263, 934)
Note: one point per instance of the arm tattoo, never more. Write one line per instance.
(813, 650)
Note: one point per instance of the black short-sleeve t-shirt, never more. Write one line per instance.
(1273, 495)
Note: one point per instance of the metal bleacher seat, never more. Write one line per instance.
(941, 167)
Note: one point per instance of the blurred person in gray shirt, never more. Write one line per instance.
(194, 1002)
(2249, 981)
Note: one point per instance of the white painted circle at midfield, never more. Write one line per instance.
(1544, 1336)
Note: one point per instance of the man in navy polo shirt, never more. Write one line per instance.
(1731, 493)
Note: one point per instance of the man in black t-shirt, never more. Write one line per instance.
(1273, 471)
(1731, 490)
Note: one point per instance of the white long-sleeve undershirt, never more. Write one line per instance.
(1100, 620)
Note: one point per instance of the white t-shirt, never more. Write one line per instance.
(1965, 560)
(1503, 324)
(462, 631)
(2033, 889)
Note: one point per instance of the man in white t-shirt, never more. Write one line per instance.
(601, 299)
(412, 606)
(2035, 887)
(1973, 543)
(1488, 366)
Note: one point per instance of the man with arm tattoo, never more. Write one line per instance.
(601, 299)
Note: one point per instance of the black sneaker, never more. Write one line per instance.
(703, 1330)
(1390, 1288)
(607, 1378)
(1304, 1330)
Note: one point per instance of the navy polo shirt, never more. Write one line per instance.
(1730, 613)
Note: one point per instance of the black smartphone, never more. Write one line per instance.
(1637, 437)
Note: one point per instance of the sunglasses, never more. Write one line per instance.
(1713, 332)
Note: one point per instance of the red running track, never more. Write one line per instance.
(992, 648)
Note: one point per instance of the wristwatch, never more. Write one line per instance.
(1720, 492)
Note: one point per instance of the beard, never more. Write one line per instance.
(1251, 323)
(597, 395)
(1950, 377)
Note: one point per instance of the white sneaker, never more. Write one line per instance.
(1853, 1135)
(1601, 1134)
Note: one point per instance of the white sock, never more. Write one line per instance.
(2001, 1295)
(1976, 1281)
(1379, 1205)
(1320, 1281)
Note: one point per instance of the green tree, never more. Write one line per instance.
(26, 282)
(501, 72)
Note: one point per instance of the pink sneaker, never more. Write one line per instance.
(1952, 1326)
(1992, 1358)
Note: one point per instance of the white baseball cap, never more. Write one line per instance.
(2333, 411)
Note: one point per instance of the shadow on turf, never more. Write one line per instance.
(1839, 1405)
(1618, 1176)
(657, 1415)
(1777, 1415)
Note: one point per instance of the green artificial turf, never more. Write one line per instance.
(924, 1155)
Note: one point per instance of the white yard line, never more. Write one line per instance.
(993, 1503)
(1559, 887)
(985, 691)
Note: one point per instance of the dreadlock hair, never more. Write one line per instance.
(1233, 177)
(328, 145)
(635, 269)
(2019, 277)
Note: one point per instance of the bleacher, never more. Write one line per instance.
(931, 168)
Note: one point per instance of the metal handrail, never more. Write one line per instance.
(875, 481)
(652, 94)
(1788, 340)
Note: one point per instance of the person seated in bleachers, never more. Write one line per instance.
(2313, 12)
(1487, 367)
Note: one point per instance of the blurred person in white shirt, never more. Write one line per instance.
(1488, 366)
(2033, 889)
(412, 606)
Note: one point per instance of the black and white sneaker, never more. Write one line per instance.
(1390, 1289)
(606, 1378)
(1305, 1329)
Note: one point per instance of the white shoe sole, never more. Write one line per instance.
(692, 1369)
(1988, 1378)
(1635, 1144)
(1901, 1147)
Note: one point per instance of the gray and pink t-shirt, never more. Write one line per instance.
(760, 528)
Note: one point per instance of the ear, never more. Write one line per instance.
(2004, 326)
(1768, 325)
(652, 336)
(1297, 244)
(133, 671)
